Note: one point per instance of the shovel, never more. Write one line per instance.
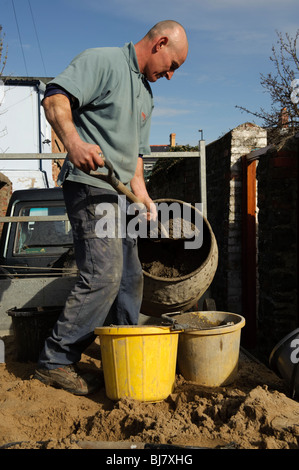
(122, 189)
(115, 183)
(176, 324)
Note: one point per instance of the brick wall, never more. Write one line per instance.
(224, 204)
(176, 178)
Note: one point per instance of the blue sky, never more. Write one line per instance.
(230, 43)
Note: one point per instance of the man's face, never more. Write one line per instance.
(163, 63)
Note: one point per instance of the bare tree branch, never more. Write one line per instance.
(284, 112)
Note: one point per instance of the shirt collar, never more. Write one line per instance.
(130, 54)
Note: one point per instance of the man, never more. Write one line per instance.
(101, 105)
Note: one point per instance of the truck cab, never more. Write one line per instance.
(34, 247)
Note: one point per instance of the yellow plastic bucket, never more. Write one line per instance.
(138, 362)
(210, 357)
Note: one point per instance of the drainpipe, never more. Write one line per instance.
(202, 174)
(40, 134)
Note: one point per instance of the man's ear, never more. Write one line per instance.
(161, 42)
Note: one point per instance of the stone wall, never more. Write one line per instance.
(277, 176)
(224, 209)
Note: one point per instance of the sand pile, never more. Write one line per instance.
(252, 413)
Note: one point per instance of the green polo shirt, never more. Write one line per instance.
(114, 111)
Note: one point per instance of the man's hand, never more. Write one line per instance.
(85, 156)
(140, 191)
(151, 209)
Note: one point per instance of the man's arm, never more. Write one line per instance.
(140, 191)
(83, 155)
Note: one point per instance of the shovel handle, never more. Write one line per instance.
(115, 183)
(121, 188)
(124, 190)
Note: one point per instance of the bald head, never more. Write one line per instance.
(166, 27)
(162, 50)
(173, 30)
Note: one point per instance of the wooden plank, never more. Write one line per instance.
(33, 218)
(32, 156)
(249, 252)
(59, 156)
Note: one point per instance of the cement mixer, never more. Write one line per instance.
(175, 278)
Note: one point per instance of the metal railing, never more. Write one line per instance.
(61, 156)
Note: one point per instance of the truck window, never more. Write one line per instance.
(42, 238)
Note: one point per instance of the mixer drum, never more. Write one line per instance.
(175, 277)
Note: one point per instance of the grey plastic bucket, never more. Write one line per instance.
(284, 361)
(208, 355)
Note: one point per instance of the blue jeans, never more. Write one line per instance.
(110, 283)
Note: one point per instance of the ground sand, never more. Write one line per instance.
(254, 412)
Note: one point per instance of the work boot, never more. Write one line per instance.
(69, 378)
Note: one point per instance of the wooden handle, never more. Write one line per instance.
(124, 190)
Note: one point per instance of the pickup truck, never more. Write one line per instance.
(33, 246)
(37, 266)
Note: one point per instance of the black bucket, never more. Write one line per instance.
(31, 327)
(284, 361)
